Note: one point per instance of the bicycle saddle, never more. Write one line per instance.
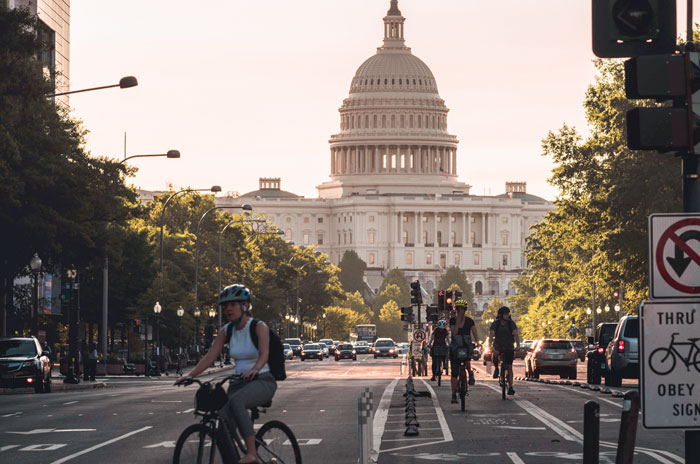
(693, 339)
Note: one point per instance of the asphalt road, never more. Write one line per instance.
(139, 420)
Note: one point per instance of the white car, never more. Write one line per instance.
(287, 350)
(324, 348)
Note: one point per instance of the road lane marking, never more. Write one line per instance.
(381, 414)
(447, 435)
(13, 414)
(43, 447)
(100, 445)
(70, 402)
(515, 427)
(597, 397)
(515, 458)
(33, 432)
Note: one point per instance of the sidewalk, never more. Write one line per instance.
(57, 384)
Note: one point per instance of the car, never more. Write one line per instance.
(519, 352)
(311, 351)
(386, 348)
(486, 355)
(329, 344)
(551, 356)
(345, 351)
(596, 366)
(622, 353)
(24, 363)
(362, 348)
(476, 353)
(324, 348)
(287, 350)
(580, 348)
(295, 343)
(403, 348)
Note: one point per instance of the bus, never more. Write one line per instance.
(366, 333)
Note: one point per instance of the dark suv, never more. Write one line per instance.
(295, 343)
(596, 366)
(23, 363)
(622, 353)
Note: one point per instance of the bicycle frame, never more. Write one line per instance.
(693, 348)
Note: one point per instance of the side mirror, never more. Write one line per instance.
(45, 353)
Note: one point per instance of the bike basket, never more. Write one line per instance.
(209, 398)
(462, 353)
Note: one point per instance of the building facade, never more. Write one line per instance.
(394, 196)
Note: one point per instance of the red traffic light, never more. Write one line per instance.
(449, 301)
(441, 293)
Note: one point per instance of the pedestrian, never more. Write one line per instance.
(424, 358)
(91, 366)
(83, 359)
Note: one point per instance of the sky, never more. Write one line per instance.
(249, 89)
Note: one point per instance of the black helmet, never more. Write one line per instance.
(503, 310)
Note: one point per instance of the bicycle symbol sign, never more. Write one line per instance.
(670, 363)
(674, 255)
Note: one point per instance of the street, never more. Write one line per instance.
(138, 420)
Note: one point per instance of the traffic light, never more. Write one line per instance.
(441, 300)
(663, 77)
(416, 295)
(431, 313)
(448, 299)
(624, 28)
(407, 313)
(457, 295)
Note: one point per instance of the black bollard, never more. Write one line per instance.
(692, 446)
(591, 432)
(628, 428)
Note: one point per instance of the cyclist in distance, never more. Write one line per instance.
(463, 331)
(503, 333)
(438, 341)
(256, 386)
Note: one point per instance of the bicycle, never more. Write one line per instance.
(662, 367)
(463, 355)
(275, 442)
(503, 376)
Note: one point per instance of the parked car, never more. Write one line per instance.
(311, 351)
(622, 353)
(386, 348)
(345, 351)
(330, 345)
(551, 356)
(362, 348)
(324, 348)
(295, 343)
(23, 363)
(519, 352)
(596, 367)
(288, 352)
(580, 348)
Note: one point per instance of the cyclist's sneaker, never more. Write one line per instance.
(495, 373)
(454, 398)
(432, 379)
(511, 391)
(471, 378)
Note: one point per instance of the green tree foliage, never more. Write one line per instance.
(352, 271)
(341, 321)
(402, 295)
(389, 323)
(355, 302)
(391, 292)
(455, 279)
(489, 315)
(598, 231)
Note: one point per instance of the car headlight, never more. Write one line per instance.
(391, 350)
(353, 351)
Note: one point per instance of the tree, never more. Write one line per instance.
(340, 322)
(389, 324)
(391, 292)
(355, 302)
(456, 279)
(352, 271)
(402, 295)
(489, 315)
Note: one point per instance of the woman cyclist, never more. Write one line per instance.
(503, 334)
(438, 341)
(463, 331)
(256, 386)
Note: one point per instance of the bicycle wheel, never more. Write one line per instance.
(195, 445)
(462, 388)
(276, 444)
(662, 361)
(503, 382)
(696, 361)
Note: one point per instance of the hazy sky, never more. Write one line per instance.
(249, 89)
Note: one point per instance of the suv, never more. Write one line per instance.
(23, 363)
(551, 356)
(622, 353)
(385, 347)
(596, 366)
(580, 348)
(295, 343)
(329, 344)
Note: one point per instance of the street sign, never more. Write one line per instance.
(419, 335)
(670, 364)
(674, 255)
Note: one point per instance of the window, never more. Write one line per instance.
(472, 237)
(345, 237)
(472, 219)
(405, 218)
(351, 218)
(307, 238)
(505, 219)
(443, 260)
(478, 287)
(288, 234)
(383, 121)
(439, 218)
(409, 258)
(504, 260)
(457, 259)
(371, 219)
(453, 237)
(319, 239)
(425, 218)
(345, 219)
(372, 236)
(306, 220)
(453, 219)
(405, 236)
(504, 239)
(425, 236)
(351, 237)
(477, 259)
(370, 259)
(338, 238)
(320, 220)
(428, 258)
(338, 219)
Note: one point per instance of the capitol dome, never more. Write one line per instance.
(393, 135)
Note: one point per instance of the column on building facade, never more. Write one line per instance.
(419, 237)
(387, 168)
(464, 229)
(449, 228)
(415, 228)
(483, 229)
(435, 230)
(469, 228)
(398, 222)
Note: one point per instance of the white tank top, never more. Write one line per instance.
(243, 351)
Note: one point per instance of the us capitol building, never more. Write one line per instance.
(394, 196)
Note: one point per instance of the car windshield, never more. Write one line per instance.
(286, 346)
(577, 343)
(384, 343)
(632, 328)
(311, 347)
(555, 345)
(361, 344)
(9, 348)
(293, 342)
(345, 347)
(326, 342)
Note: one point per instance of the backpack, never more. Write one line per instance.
(276, 357)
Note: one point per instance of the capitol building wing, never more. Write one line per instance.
(393, 195)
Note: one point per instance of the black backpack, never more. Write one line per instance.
(276, 357)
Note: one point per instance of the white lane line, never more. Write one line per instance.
(100, 445)
(70, 402)
(75, 430)
(515, 427)
(597, 397)
(422, 429)
(380, 416)
(515, 458)
(446, 433)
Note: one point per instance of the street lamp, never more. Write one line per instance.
(598, 310)
(35, 264)
(212, 315)
(169, 154)
(157, 309)
(180, 313)
(607, 308)
(617, 308)
(324, 325)
(286, 318)
(197, 313)
(124, 83)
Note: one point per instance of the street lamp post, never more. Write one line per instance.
(35, 264)
(74, 362)
(157, 309)
(324, 325)
(124, 83)
(197, 313)
(212, 315)
(180, 313)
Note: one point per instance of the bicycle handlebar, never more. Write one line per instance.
(189, 381)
